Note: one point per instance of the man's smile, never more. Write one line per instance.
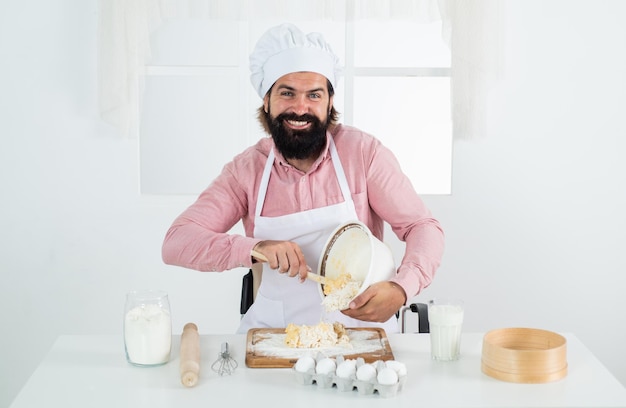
(298, 124)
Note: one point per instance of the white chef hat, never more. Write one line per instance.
(285, 49)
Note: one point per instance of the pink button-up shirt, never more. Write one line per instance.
(199, 238)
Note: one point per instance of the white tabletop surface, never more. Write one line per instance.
(91, 371)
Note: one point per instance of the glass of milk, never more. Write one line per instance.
(445, 318)
(147, 328)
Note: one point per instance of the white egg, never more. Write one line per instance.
(346, 369)
(325, 366)
(305, 364)
(387, 376)
(366, 372)
(400, 368)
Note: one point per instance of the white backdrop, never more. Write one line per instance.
(535, 225)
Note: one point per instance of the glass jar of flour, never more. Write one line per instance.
(147, 328)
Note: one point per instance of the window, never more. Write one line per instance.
(400, 92)
(199, 109)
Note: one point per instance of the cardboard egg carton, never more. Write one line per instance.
(309, 376)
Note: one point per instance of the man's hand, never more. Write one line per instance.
(377, 303)
(285, 256)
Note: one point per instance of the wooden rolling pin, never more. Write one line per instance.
(189, 355)
(310, 275)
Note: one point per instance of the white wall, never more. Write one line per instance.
(535, 225)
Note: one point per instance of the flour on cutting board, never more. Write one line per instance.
(273, 344)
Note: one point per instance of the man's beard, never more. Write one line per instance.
(298, 144)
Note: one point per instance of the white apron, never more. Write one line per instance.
(280, 299)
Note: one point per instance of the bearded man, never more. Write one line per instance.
(292, 190)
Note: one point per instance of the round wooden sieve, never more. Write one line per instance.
(524, 355)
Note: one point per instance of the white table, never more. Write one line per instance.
(91, 371)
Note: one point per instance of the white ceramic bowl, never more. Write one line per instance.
(351, 248)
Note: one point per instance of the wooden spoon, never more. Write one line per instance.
(310, 275)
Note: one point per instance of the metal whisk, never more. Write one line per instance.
(224, 364)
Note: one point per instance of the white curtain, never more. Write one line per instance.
(474, 32)
(472, 29)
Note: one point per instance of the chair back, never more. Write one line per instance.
(422, 317)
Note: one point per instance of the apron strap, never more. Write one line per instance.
(264, 182)
(341, 175)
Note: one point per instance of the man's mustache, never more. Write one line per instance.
(299, 118)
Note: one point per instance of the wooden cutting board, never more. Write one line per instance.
(265, 347)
